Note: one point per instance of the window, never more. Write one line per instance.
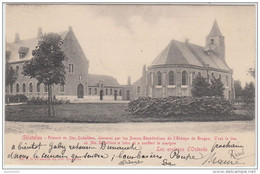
(38, 87)
(110, 91)
(17, 88)
(227, 80)
(159, 78)
(11, 88)
(106, 92)
(21, 55)
(184, 78)
(212, 76)
(71, 68)
(17, 69)
(171, 78)
(95, 91)
(212, 41)
(24, 87)
(220, 77)
(138, 89)
(45, 88)
(80, 77)
(199, 74)
(89, 91)
(120, 93)
(30, 87)
(62, 88)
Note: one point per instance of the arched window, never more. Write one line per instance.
(17, 88)
(227, 80)
(138, 89)
(45, 88)
(89, 91)
(24, 87)
(159, 78)
(17, 69)
(212, 76)
(120, 93)
(30, 87)
(62, 88)
(38, 87)
(110, 91)
(171, 78)
(95, 91)
(184, 78)
(212, 41)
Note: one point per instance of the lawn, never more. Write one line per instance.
(104, 113)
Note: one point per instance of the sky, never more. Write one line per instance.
(119, 39)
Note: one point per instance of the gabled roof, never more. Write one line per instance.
(184, 53)
(94, 79)
(215, 30)
(25, 46)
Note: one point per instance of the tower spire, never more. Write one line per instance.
(215, 30)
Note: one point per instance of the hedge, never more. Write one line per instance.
(180, 106)
(15, 98)
(41, 101)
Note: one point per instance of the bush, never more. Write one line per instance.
(180, 106)
(40, 101)
(15, 98)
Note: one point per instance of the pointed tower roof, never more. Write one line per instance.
(215, 30)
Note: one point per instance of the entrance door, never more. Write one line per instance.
(127, 94)
(80, 91)
(101, 94)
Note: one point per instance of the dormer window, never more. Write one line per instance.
(22, 52)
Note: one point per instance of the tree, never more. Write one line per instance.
(238, 90)
(249, 93)
(47, 63)
(251, 71)
(216, 87)
(200, 87)
(10, 75)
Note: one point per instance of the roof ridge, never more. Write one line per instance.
(196, 55)
(174, 42)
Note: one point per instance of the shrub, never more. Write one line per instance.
(40, 101)
(15, 98)
(180, 106)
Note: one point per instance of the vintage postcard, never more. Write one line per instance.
(130, 85)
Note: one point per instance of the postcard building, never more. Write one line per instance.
(173, 70)
(79, 83)
(170, 74)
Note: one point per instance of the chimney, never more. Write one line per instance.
(17, 38)
(129, 80)
(186, 41)
(39, 35)
(70, 28)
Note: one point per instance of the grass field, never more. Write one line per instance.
(103, 113)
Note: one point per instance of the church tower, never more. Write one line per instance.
(215, 41)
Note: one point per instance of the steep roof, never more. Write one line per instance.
(94, 79)
(215, 30)
(24, 46)
(184, 53)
